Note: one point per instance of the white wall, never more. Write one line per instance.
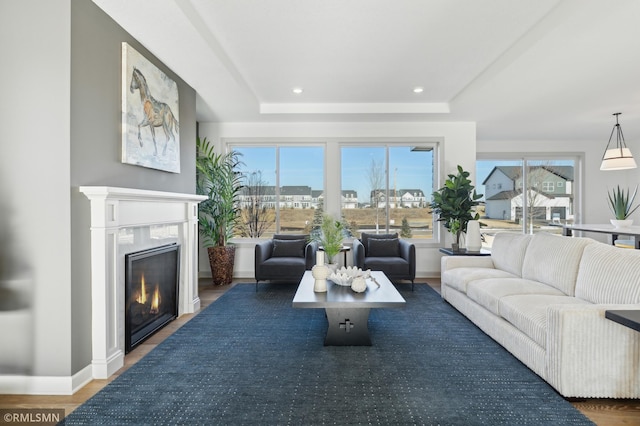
(457, 147)
(34, 169)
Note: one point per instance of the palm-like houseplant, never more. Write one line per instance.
(621, 203)
(217, 177)
(329, 236)
(454, 203)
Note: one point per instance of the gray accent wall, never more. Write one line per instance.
(96, 145)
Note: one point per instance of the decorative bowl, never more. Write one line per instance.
(344, 276)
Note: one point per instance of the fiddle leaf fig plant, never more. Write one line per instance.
(454, 203)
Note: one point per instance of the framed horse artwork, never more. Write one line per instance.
(150, 114)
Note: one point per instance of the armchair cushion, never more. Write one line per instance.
(289, 248)
(366, 237)
(384, 247)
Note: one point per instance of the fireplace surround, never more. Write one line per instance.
(125, 220)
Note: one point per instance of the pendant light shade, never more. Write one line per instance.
(618, 157)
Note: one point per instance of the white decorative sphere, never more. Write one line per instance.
(359, 284)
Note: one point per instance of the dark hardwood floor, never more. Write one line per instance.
(603, 412)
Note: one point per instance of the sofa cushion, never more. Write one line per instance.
(488, 292)
(364, 237)
(288, 248)
(458, 278)
(528, 313)
(554, 260)
(384, 247)
(508, 250)
(609, 274)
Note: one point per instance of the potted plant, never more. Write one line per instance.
(217, 177)
(454, 203)
(329, 237)
(621, 205)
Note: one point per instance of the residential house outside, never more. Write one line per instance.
(549, 193)
(293, 197)
(401, 198)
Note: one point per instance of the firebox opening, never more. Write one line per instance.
(151, 292)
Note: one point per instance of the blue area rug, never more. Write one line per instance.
(250, 358)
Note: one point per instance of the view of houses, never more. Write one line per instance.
(549, 193)
(304, 197)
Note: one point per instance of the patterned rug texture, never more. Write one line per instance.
(250, 358)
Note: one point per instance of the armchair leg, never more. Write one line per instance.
(411, 285)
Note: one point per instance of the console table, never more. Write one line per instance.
(632, 231)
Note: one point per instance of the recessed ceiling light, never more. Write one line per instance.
(297, 90)
(418, 89)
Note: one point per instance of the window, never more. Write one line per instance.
(548, 187)
(390, 187)
(530, 202)
(283, 186)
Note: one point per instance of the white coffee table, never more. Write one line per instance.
(348, 311)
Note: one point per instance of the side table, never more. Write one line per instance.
(629, 318)
(344, 250)
(464, 252)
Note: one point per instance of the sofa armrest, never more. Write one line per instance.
(310, 254)
(263, 251)
(358, 253)
(589, 355)
(408, 253)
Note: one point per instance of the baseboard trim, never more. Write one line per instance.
(45, 385)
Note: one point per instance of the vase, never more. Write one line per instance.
(320, 272)
(474, 239)
(333, 267)
(621, 223)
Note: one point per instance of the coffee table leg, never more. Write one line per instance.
(347, 327)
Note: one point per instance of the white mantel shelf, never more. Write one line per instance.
(112, 210)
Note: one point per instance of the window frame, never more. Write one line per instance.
(434, 145)
(332, 184)
(229, 144)
(577, 185)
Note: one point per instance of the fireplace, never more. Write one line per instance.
(151, 292)
(127, 220)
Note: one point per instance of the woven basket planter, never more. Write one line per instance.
(221, 260)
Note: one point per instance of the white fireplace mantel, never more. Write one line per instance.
(113, 212)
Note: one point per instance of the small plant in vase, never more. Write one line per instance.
(329, 237)
(621, 205)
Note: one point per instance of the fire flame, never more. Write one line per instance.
(142, 297)
(155, 301)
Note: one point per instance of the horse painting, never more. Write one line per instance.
(156, 113)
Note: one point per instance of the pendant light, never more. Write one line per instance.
(618, 157)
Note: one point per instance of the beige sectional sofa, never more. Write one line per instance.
(543, 297)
